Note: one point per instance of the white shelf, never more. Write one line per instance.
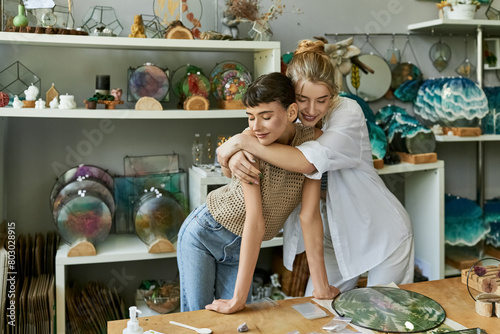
(406, 167)
(126, 43)
(482, 138)
(448, 26)
(125, 247)
(121, 113)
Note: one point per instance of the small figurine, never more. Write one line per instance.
(117, 93)
(230, 25)
(51, 93)
(17, 103)
(67, 102)
(137, 28)
(40, 104)
(54, 104)
(31, 93)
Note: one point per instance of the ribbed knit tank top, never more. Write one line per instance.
(281, 192)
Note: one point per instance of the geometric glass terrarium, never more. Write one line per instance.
(102, 17)
(152, 26)
(16, 78)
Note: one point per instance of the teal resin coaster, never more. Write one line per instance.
(390, 310)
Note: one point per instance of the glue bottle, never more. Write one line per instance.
(133, 324)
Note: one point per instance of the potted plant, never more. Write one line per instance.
(91, 103)
(461, 9)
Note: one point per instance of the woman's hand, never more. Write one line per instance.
(226, 306)
(329, 293)
(242, 168)
(228, 149)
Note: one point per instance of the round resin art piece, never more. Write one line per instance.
(389, 310)
(158, 215)
(83, 218)
(229, 80)
(148, 80)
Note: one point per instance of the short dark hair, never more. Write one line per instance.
(271, 87)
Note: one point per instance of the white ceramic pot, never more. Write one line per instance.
(461, 12)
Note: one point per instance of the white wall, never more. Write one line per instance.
(33, 145)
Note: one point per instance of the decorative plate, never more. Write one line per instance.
(389, 310)
(230, 73)
(158, 215)
(86, 218)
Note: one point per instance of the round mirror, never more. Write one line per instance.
(370, 86)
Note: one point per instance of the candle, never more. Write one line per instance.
(102, 84)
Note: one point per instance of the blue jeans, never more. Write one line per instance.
(208, 256)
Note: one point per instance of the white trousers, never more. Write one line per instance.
(398, 267)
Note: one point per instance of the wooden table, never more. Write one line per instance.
(450, 293)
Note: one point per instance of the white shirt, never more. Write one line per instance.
(367, 222)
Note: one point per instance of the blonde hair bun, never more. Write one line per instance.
(310, 46)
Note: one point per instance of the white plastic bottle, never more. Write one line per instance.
(133, 323)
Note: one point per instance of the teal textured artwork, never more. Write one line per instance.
(492, 217)
(404, 132)
(454, 101)
(464, 222)
(490, 124)
(389, 309)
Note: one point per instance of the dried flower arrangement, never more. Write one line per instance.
(248, 10)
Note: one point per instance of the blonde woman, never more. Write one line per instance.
(366, 229)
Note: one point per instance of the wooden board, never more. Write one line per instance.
(148, 103)
(463, 132)
(475, 281)
(460, 260)
(423, 158)
(161, 245)
(196, 102)
(492, 251)
(83, 248)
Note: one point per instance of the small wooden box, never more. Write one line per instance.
(423, 158)
(463, 132)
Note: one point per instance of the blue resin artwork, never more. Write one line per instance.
(464, 222)
(463, 101)
(492, 216)
(454, 101)
(490, 124)
(404, 132)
